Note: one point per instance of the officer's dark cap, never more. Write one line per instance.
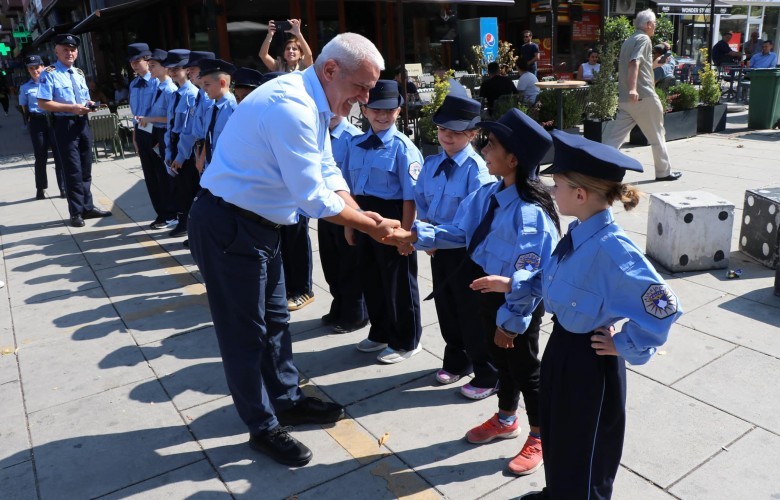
(247, 77)
(574, 153)
(158, 55)
(196, 56)
(67, 39)
(521, 135)
(211, 66)
(137, 51)
(176, 58)
(384, 95)
(33, 61)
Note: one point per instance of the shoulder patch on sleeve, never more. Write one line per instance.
(78, 70)
(659, 301)
(528, 261)
(414, 170)
(49, 69)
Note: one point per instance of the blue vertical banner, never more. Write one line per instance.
(488, 31)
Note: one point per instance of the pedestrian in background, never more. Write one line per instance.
(297, 54)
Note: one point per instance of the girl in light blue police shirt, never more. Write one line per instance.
(596, 278)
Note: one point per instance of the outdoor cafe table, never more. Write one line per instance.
(559, 87)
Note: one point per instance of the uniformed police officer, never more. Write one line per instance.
(245, 80)
(63, 91)
(215, 77)
(41, 134)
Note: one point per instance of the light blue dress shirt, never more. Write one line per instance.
(193, 129)
(437, 196)
(160, 103)
(522, 236)
(141, 96)
(225, 106)
(340, 137)
(65, 85)
(603, 279)
(389, 172)
(28, 96)
(275, 151)
(761, 61)
(187, 93)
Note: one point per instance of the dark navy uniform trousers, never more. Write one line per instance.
(583, 417)
(297, 257)
(42, 137)
(74, 144)
(339, 265)
(238, 255)
(158, 183)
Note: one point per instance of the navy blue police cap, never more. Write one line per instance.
(138, 50)
(209, 66)
(67, 39)
(158, 55)
(384, 95)
(522, 136)
(198, 55)
(458, 113)
(271, 75)
(176, 58)
(33, 61)
(247, 77)
(574, 153)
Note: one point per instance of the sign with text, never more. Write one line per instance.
(586, 30)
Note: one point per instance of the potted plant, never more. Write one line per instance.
(429, 143)
(679, 123)
(712, 114)
(603, 98)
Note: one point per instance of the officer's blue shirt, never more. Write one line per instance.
(142, 91)
(389, 172)
(57, 84)
(161, 102)
(225, 106)
(522, 236)
(274, 156)
(193, 130)
(28, 96)
(604, 279)
(340, 137)
(437, 196)
(187, 93)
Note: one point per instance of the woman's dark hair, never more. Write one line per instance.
(535, 191)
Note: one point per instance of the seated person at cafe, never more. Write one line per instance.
(663, 65)
(752, 46)
(766, 59)
(722, 53)
(411, 89)
(589, 68)
(526, 84)
(495, 85)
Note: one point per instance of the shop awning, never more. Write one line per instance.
(102, 16)
(691, 7)
(505, 3)
(49, 34)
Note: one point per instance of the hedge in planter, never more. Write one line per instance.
(712, 114)
(679, 123)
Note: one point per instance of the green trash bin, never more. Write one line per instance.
(764, 107)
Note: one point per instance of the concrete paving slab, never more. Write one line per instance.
(631, 486)
(158, 273)
(115, 246)
(729, 383)
(198, 480)
(13, 430)
(653, 411)
(246, 472)
(18, 482)
(111, 437)
(746, 469)
(49, 278)
(42, 228)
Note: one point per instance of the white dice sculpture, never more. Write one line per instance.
(760, 219)
(690, 230)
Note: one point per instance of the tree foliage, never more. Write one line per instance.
(709, 93)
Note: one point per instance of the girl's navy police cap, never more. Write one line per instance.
(384, 95)
(574, 153)
(521, 135)
(458, 113)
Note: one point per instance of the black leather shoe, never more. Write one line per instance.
(671, 177)
(349, 327)
(39, 194)
(329, 318)
(62, 194)
(281, 446)
(179, 230)
(76, 221)
(311, 411)
(96, 213)
(186, 243)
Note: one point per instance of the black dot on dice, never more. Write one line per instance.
(660, 229)
(723, 215)
(684, 260)
(688, 218)
(719, 256)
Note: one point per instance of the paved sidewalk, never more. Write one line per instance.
(111, 383)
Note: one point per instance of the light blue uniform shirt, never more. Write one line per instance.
(225, 106)
(193, 129)
(187, 93)
(142, 95)
(340, 137)
(58, 84)
(760, 60)
(389, 172)
(604, 279)
(437, 196)
(522, 236)
(275, 155)
(28, 96)
(160, 103)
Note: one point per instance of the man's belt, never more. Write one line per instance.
(247, 214)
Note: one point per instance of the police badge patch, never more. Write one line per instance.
(414, 170)
(659, 301)
(528, 261)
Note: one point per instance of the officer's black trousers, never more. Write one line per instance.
(457, 307)
(297, 258)
(389, 283)
(339, 264)
(74, 143)
(518, 367)
(583, 417)
(156, 178)
(185, 186)
(42, 137)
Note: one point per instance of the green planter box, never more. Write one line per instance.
(678, 125)
(596, 130)
(712, 119)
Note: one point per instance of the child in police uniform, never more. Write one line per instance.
(215, 75)
(595, 278)
(383, 166)
(506, 226)
(445, 181)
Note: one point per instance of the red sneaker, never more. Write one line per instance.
(492, 429)
(529, 459)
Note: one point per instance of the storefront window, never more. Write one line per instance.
(771, 24)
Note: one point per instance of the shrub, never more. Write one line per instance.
(664, 29)
(709, 93)
(683, 96)
(603, 98)
(506, 58)
(441, 87)
(548, 110)
(664, 99)
(617, 29)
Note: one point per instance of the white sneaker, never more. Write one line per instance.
(366, 345)
(2, 284)
(390, 355)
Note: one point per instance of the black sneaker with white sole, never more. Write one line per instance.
(278, 444)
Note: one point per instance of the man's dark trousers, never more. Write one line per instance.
(42, 136)
(154, 175)
(74, 143)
